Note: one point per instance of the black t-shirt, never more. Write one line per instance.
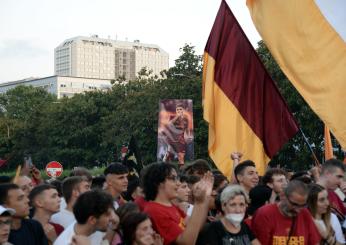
(215, 234)
(30, 233)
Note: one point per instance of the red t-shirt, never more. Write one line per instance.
(248, 221)
(168, 221)
(58, 228)
(141, 202)
(272, 227)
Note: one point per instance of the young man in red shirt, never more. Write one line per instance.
(287, 222)
(160, 185)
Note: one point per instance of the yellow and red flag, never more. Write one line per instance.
(307, 39)
(328, 146)
(242, 105)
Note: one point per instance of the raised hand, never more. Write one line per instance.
(50, 232)
(158, 240)
(202, 190)
(236, 155)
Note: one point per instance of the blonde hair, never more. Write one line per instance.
(231, 191)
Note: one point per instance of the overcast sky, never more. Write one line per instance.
(30, 30)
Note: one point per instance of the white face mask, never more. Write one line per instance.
(235, 219)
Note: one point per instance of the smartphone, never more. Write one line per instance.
(28, 161)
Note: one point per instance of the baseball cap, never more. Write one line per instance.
(9, 210)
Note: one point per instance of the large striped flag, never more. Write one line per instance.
(307, 39)
(242, 105)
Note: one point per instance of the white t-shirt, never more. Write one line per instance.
(339, 236)
(65, 238)
(63, 218)
(116, 205)
(334, 221)
(62, 204)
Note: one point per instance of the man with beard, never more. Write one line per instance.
(286, 222)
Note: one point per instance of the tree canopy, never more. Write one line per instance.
(90, 128)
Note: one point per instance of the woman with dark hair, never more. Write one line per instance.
(326, 222)
(137, 230)
(126, 209)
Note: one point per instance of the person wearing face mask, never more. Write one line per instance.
(287, 222)
(230, 229)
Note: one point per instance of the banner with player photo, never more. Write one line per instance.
(175, 131)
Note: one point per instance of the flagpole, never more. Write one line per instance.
(317, 163)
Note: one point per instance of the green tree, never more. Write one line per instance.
(22, 108)
(91, 127)
(189, 64)
(72, 130)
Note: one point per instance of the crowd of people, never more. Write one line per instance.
(166, 205)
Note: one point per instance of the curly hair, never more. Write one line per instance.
(268, 176)
(153, 176)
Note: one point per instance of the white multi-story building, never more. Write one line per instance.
(107, 59)
(61, 86)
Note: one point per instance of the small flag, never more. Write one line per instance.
(18, 171)
(132, 158)
(328, 146)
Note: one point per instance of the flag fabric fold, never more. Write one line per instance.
(310, 49)
(242, 105)
(328, 146)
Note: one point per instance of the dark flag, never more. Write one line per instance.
(133, 158)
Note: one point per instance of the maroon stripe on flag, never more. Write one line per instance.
(243, 78)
